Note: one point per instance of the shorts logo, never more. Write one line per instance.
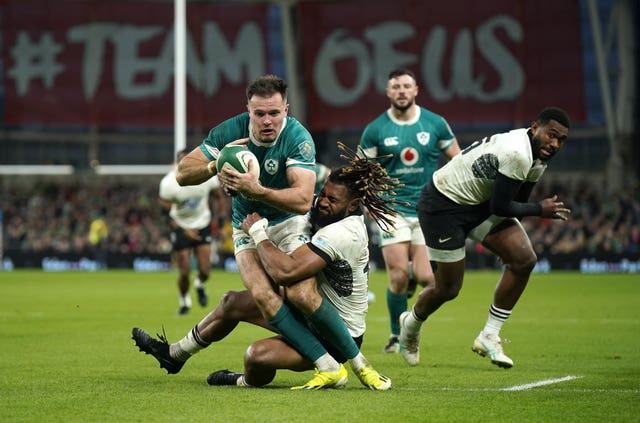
(241, 241)
(443, 240)
(409, 156)
(271, 166)
(423, 137)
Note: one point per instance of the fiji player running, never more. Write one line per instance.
(481, 194)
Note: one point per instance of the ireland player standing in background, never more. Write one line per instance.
(408, 140)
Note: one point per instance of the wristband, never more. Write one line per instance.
(258, 232)
(210, 167)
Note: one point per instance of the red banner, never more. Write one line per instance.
(476, 62)
(110, 64)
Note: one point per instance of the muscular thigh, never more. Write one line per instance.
(252, 273)
(396, 256)
(509, 241)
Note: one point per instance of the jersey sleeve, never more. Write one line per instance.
(368, 141)
(445, 134)
(326, 242)
(515, 165)
(536, 171)
(302, 151)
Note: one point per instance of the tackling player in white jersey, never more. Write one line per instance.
(339, 250)
(481, 194)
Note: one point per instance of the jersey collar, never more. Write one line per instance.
(267, 144)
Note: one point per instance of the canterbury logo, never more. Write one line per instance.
(391, 141)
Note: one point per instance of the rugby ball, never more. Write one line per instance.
(237, 157)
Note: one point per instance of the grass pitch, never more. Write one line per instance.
(67, 355)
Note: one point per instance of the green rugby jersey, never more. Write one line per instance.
(415, 147)
(293, 147)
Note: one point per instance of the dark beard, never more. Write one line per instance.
(403, 108)
(320, 221)
(536, 146)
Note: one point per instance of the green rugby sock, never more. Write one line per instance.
(297, 334)
(330, 325)
(396, 304)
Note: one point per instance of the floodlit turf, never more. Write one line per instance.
(67, 356)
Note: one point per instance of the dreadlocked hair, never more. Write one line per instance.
(370, 183)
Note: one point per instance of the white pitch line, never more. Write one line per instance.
(567, 390)
(540, 383)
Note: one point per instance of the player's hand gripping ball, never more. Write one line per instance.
(238, 158)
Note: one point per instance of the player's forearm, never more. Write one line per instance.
(279, 265)
(515, 209)
(292, 200)
(506, 202)
(194, 172)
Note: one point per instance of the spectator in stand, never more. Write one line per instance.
(98, 233)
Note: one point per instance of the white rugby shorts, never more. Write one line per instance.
(286, 235)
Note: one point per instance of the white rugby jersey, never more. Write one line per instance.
(190, 208)
(344, 282)
(470, 176)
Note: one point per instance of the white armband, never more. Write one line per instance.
(258, 231)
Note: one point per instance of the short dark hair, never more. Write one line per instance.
(266, 86)
(402, 71)
(554, 113)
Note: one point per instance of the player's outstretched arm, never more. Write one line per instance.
(195, 168)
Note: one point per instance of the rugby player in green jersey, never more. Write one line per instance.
(408, 140)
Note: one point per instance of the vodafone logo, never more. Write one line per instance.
(409, 156)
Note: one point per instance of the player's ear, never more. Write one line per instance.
(534, 125)
(353, 206)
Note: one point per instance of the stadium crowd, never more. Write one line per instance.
(56, 217)
(599, 223)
